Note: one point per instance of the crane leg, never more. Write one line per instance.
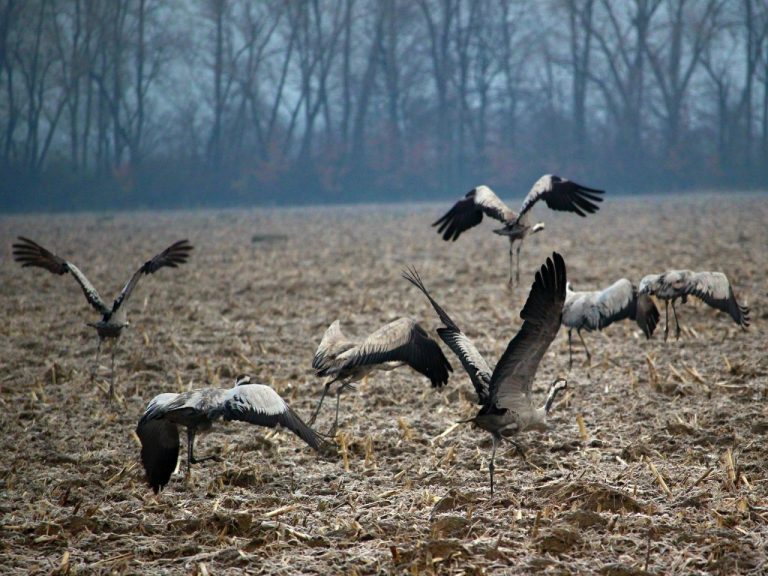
(666, 319)
(491, 466)
(191, 452)
(95, 367)
(511, 261)
(112, 373)
(517, 263)
(335, 426)
(677, 324)
(327, 386)
(518, 449)
(570, 349)
(589, 356)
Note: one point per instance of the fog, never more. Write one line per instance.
(157, 104)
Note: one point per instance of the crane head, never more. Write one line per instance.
(558, 385)
(649, 284)
(242, 379)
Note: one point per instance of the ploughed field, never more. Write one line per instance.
(656, 459)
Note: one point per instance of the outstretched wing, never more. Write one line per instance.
(261, 405)
(512, 378)
(30, 253)
(715, 289)
(177, 253)
(401, 341)
(563, 195)
(333, 343)
(465, 350)
(468, 212)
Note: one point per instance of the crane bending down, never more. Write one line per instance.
(600, 308)
(558, 193)
(114, 318)
(400, 342)
(504, 393)
(713, 288)
(197, 410)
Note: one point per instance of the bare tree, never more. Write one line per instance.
(622, 40)
(675, 53)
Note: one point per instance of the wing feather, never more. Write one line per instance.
(30, 253)
(159, 451)
(334, 342)
(514, 373)
(464, 349)
(646, 314)
(159, 442)
(177, 253)
(615, 303)
(261, 405)
(468, 213)
(562, 195)
(715, 289)
(402, 341)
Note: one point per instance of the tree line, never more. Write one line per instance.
(213, 102)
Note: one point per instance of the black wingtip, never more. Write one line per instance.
(548, 288)
(159, 451)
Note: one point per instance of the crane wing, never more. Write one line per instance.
(159, 451)
(715, 289)
(261, 405)
(177, 253)
(512, 378)
(615, 303)
(646, 314)
(159, 442)
(334, 342)
(468, 212)
(621, 300)
(30, 253)
(465, 350)
(402, 341)
(562, 195)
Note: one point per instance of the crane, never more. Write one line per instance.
(713, 288)
(197, 410)
(113, 318)
(403, 341)
(595, 310)
(504, 393)
(558, 193)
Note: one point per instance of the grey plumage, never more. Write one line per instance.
(506, 403)
(473, 362)
(400, 342)
(713, 288)
(558, 193)
(113, 318)
(197, 410)
(595, 310)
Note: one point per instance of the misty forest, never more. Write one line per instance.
(221, 102)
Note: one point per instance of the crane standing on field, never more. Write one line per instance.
(713, 288)
(197, 410)
(504, 393)
(598, 309)
(113, 319)
(400, 342)
(558, 193)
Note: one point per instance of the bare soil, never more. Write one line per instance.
(655, 462)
